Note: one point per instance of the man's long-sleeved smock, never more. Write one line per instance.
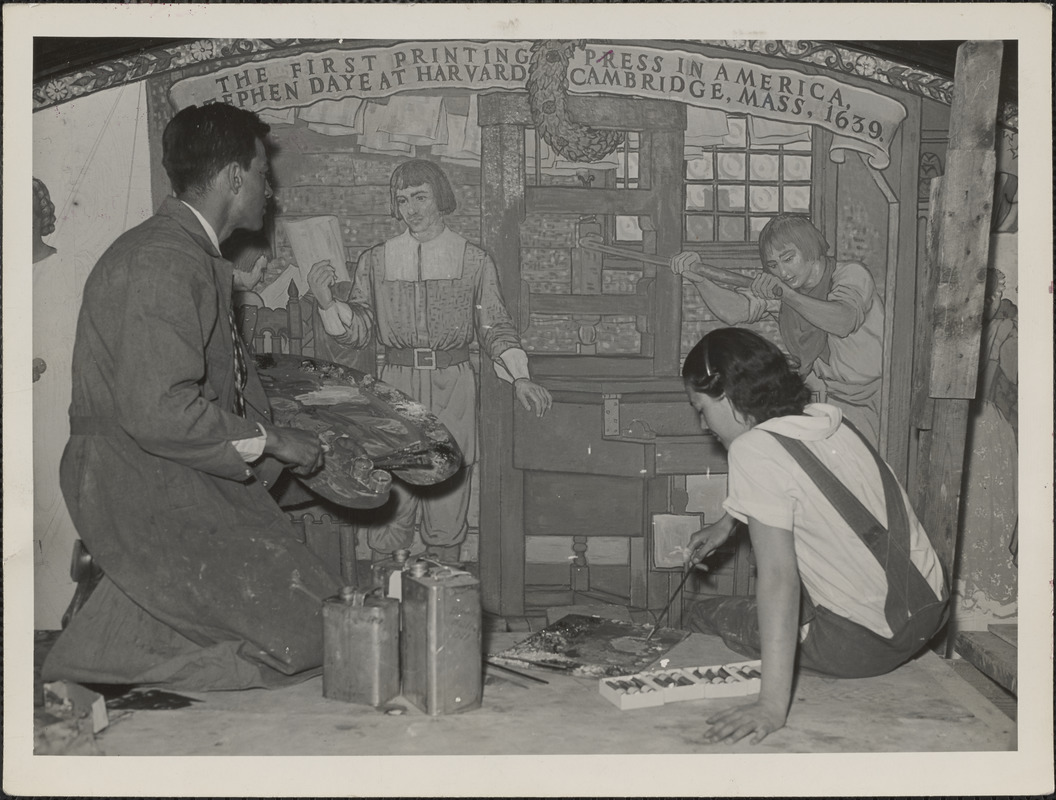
(199, 560)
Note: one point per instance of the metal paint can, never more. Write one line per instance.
(361, 647)
(441, 645)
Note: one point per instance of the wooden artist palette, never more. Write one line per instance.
(592, 647)
(357, 416)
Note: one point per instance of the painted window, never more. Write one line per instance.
(627, 228)
(732, 189)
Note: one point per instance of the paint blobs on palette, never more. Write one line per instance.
(657, 687)
(591, 647)
(630, 644)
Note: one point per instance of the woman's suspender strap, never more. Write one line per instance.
(907, 590)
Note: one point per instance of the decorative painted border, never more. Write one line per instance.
(865, 65)
(838, 58)
(157, 61)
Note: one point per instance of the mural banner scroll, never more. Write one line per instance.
(859, 119)
(366, 72)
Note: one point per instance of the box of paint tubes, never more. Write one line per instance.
(672, 685)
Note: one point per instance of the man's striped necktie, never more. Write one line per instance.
(241, 374)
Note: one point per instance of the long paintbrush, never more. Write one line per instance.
(663, 613)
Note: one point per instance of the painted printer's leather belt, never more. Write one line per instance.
(404, 357)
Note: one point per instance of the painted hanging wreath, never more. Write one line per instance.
(547, 92)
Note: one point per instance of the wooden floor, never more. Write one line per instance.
(994, 652)
(922, 706)
(1003, 700)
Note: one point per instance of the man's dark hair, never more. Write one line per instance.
(201, 140)
(751, 371)
(418, 172)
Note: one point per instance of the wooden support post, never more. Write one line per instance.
(667, 157)
(901, 272)
(922, 412)
(501, 524)
(962, 229)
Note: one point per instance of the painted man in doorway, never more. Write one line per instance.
(829, 313)
(425, 295)
(172, 452)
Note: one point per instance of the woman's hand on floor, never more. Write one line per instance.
(734, 724)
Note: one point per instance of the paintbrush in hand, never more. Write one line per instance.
(674, 594)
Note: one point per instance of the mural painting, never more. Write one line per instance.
(591, 209)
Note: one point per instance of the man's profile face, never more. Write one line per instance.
(417, 207)
(252, 199)
(788, 263)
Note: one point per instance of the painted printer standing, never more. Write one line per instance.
(425, 295)
(829, 313)
(172, 452)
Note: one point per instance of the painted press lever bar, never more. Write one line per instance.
(709, 271)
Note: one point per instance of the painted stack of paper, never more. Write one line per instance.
(657, 687)
(591, 647)
(315, 239)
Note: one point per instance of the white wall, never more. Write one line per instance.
(93, 156)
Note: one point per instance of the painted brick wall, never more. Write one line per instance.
(697, 320)
(862, 214)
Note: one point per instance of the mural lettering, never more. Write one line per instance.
(368, 72)
(859, 119)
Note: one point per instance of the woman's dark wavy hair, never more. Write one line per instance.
(751, 371)
(418, 172)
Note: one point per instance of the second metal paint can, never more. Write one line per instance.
(361, 648)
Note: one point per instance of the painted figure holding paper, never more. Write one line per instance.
(425, 295)
(259, 272)
(829, 313)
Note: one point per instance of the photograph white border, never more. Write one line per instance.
(1025, 771)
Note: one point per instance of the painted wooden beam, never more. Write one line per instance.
(922, 405)
(561, 199)
(902, 300)
(501, 528)
(667, 157)
(922, 411)
(579, 304)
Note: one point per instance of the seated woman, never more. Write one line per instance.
(847, 578)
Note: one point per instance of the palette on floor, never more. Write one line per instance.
(591, 647)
